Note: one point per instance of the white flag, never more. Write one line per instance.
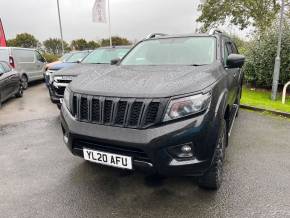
(99, 11)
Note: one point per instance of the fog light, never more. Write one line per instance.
(182, 151)
(65, 138)
(186, 149)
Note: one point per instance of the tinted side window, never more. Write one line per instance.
(22, 55)
(39, 57)
(2, 70)
(6, 67)
(227, 51)
(234, 48)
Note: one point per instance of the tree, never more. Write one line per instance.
(53, 46)
(240, 43)
(79, 44)
(49, 57)
(243, 13)
(11, 43)
(24, 40)
(116, 40)
(93, 45)
(261, 53)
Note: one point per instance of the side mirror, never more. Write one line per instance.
(235, 61)
(115, 61)
(1, 73)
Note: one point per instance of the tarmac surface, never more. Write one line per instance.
(40, 178)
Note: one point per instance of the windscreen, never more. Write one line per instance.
(105, 55)
(65, 57)
(75, 57)
(173, 51)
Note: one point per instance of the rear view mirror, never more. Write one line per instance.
(115, 61)
(235, 61)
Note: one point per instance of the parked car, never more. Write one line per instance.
(73, 59)
(101, 57)
(10, 82)
(168, 107)
(28, 62)
(60, 60)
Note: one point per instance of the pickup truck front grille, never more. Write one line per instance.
(122, 112)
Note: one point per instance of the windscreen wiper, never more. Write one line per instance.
(197, 65)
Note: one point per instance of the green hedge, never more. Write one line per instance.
(50, 57)
(260, 59)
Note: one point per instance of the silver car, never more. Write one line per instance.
(28, 62)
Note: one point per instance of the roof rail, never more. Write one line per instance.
(154, 35)
(214, 31)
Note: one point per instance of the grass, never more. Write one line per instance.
(262, 99)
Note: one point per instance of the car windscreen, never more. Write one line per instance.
(105, 55)
(173, 51)
(75, 57)
(65, 57)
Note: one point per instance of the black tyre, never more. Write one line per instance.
(19, 94)
(212, 179)
(24, 81)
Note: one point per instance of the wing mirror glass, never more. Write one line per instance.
(235, 61)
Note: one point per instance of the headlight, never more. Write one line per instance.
(187, 106)
(50, 78)
(68, 78)
(66, 98)
(56, 78)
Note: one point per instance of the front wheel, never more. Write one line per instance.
(212, 179)
(24, 81)
(19, 93)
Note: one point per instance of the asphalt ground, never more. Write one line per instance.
(40, 178)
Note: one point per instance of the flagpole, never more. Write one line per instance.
(109, 21)
(3, 41)
(60, 27)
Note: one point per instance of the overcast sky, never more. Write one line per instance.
(133, 19)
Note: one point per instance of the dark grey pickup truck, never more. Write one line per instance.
(167, 107)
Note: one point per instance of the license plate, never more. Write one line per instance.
(109, 159)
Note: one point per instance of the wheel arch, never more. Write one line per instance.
(25, 74)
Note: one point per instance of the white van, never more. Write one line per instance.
(28, 62)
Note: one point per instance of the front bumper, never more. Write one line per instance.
(148, 147)
(56, 92)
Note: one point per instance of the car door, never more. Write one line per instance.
(14, 80)
(5, 88)
(40, 64)
(233, 73)
(25, 62)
